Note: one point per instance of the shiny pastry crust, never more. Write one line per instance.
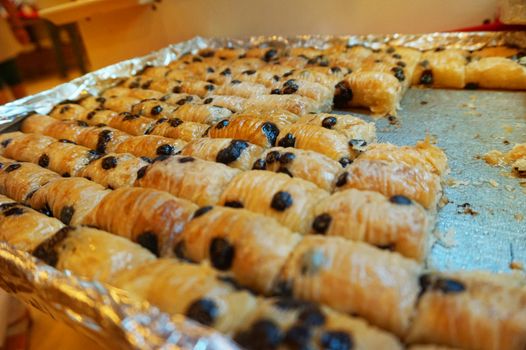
(66, 158)
(165, 280)
(177, 129)
(355, 278)
(199, 181)
(470, 310)
(68, 111)
(424, 154)
(496, 73)
(392, 179)
(206, 114)
(60, 130)
(398, 225)
(120, 104)
(114, 170)
(131, 124)
(307, 165)
(137, 93)
(102, 139)
(25, 147)
(442, 69)
(154, 109)
(149, 217)
(94, 254)
(150, 146)
(69, 199)
(325, 76)
(293, 103)
(320, 93)
(288, 200)
(247, 127)
(36, 123)
(280, 117)
(23, 227)
(21, 184)
(233, 103)
(195, 87)
(237, 240)
(180, 99)
(316, 138)
(242, 89)
(234, 153)
(99, 116)
(379, 91)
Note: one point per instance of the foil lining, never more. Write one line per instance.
(487, 241)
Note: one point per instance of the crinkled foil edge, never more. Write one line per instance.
(106, 313)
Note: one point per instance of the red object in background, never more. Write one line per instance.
(495, 26)
(27, 11)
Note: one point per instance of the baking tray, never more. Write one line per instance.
(466, 124)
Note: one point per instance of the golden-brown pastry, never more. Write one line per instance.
(424, 154)
(178, 129)
(68, 111)
(119, 104)
(150, 146)
(206, 114)
(247, 127)
(353, 277)
(102, 139)
(114, 170)
(293, 103)
(393, 179)
(251, 246)
(199, 181)
(149, 217)
(180, 99)
(289, 323)
(233, 103)
(326, 76)
(200, 293)
(319, 139)
(137, 93)
(241, 88)
(36, 123)
(378, 91)
(496, 73)
(132, 124)
(65, 158)
(24, 147)
(471, 311)
(20, 181)
(235, 153)
(288, 200)
(266, 54)
(280, 117)
(442, 69)
(90, 253)
(99, 116)
(23, 227)
(154, 109)
(61, 130)
(320, 93)
(307, 165)
(195, 87)
(395, 223)
(68, 199)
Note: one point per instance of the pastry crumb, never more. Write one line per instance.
(493, 183)
(515, 265)
(519, 217)
(446, 239)
(466, 208)
(451, 182)
(509, 188)
(494, 157)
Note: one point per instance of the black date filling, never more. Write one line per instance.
(66, 214)
(281, 201)
(232, 152)
(287, 141)
(204, 311)
(150, 241)
(343, 95)
(43, 161)
(46, 251)
(329, 122)
(265, 333)
(259, 164)
(221, 253)
(430, 282)
(321, 223)
(427, 77)
(271, 131)
(109, 163)
(104, 138)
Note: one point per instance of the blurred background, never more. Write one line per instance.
(67, 38)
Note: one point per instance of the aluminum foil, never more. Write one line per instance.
(461, 120)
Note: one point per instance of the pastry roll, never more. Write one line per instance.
(251, 246)
(319, 139)
(325, 76)
(68, 199)
(235, 153)
(288, 200)
(244, 64)
(307, 165)
(180, 99)
(150, 146)
(266, 54)
(24, 147)
(164, 71)
(359, 132)
(68, 111)
(393, 179)
(280, 117)
(102, 139)
(131, 123)
(241, 88)
(233, 103)
(117, 91)
(177, 129)
(114, 170)
(442, 69)
(153, 109)
(23, 227)
(120, 104)
(396, 223)
(354, 277)
(496, 73)
(296, 324)
(198, 289)
(197, 180)
(61, 130)
(293, 103)
(319, 93)
(470, 310)
(378, 91)
(99, 116)
(37, 123)
(66, 158)
(138, 82)
(297, 62)
(424, 155)
(137, 93)
(206, 114)
(22, 184)
(267, 76)
(195, 87)
(229, 53)
(149, 217)
(246, 127)
(90, 253)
